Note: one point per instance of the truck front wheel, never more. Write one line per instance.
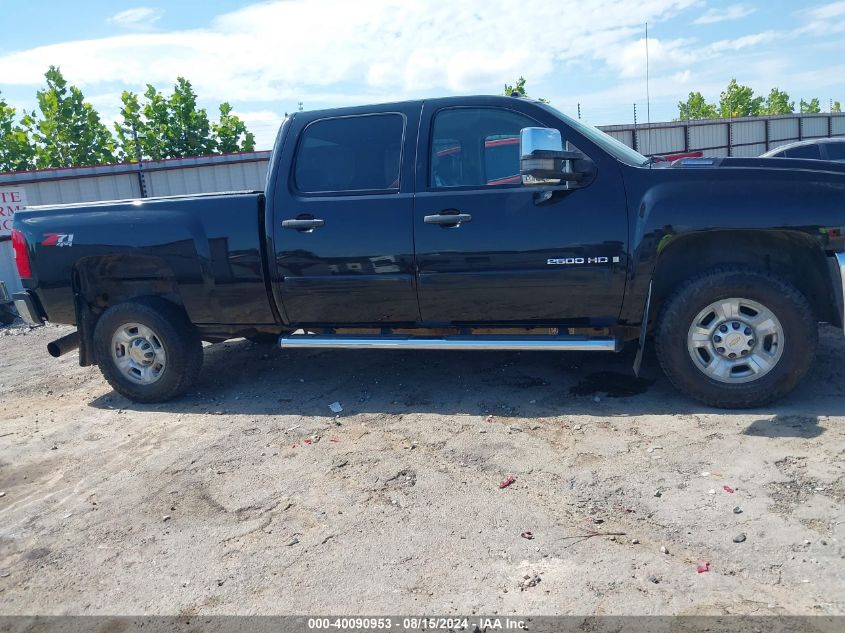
(147, 349)
(736, 338)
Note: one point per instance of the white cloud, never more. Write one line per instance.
(301, 48)
(824, 19)
(746, 41)
(630, 60)
(734, 12)
(139, 19)
(827, 11)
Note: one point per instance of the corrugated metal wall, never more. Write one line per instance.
(231, 172)
(722, 137)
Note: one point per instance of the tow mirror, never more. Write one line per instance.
(544, 162)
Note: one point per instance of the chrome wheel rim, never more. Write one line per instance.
(735, 340)
(138, 353)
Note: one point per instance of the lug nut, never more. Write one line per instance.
(723, 328)
(721, 350)
(744, 352)
(735, 325)
(751, 342)
(731, 355)
(717, 338)
(748, 331)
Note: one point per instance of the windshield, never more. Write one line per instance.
(612, 146)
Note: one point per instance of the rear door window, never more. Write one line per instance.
(350, 154)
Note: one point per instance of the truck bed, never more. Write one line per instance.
(205, 249)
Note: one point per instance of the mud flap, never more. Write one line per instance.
(638, 359)
(85, 322)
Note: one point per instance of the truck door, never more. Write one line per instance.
(343, 203)
(489, 249)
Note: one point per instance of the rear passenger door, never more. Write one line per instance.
(343, 230)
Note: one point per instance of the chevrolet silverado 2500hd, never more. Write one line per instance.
(458, 223)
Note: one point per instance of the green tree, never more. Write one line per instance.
(173, 126)
(778, 103)
(811, 107)
(155, 142)
(16, 150)
(68, 132)
(696, 107)
(837, 107)
(519, 90)
(190, 130)
(738, 100)
(131, 125)
(230, 133)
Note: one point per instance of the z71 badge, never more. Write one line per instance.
(57, 239)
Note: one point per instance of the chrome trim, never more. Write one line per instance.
(538, 343)
(840, 260)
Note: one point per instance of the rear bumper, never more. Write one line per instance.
(840, 262)
(27, 308)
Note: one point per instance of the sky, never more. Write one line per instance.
(266, 57)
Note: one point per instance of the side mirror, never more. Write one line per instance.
(544, 162)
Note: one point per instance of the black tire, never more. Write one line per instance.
(790, 307)
(177, 336)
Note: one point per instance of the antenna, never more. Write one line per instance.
(647, 92)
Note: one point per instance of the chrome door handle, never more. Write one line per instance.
(303, 224)
(447, 218)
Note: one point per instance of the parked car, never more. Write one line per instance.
(815, 149)
(368, 237)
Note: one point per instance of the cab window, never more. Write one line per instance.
(835, 151)
(347, 154)
(476, 147)
(803, 151)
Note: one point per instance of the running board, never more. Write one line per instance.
(500, 343)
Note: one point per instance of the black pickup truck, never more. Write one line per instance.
(467, 223)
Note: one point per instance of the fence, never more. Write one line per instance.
(727, 137)
(200, 174)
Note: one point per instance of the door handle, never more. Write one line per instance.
(303, 224)
(444, 218)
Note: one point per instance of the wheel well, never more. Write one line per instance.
(793, 257)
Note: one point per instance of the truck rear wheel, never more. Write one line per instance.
(147, 349)
(736, 338)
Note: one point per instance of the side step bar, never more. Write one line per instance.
(504, 343)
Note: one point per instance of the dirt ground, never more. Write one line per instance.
(249, 496)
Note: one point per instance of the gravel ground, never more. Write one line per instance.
(250, 496)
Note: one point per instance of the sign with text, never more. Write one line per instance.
(12, 199)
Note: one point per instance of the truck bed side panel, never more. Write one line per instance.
(208, 245)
